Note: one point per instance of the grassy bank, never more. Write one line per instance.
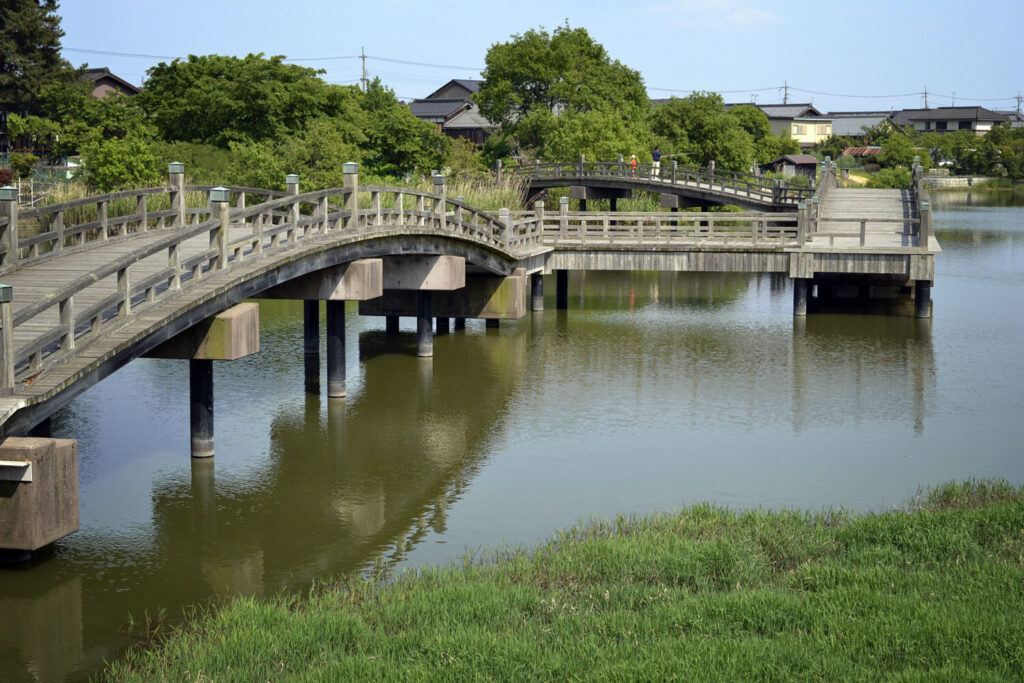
(931, 592)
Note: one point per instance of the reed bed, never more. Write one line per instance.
(932, 591)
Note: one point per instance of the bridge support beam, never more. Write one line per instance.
(425, 324)
(335, 349)
(311, 344)
(481, 297)
(200, 406)
(537, 292)
(800, 286)
(922, 298)
(561, 290)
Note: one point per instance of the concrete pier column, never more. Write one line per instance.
(311, 344)
(562, 290)
(799, 296)
(443, 325)
(492, 323)
(200, 404)
(335, 349)
(537, 292)
(425, 324)
(922, 299)
(391, 326)
(583, 205)
(460, 323)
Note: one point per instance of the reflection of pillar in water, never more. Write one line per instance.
(337, 418)
(425, 324)
(537, 292)
(798, 360)
(921, 364)
(425, 385)
(204, 501)
(47, 630)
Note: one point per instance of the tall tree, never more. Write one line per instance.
(539, 80)
(698, 128)
(30, 58)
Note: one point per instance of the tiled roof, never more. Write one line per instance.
(436, 108)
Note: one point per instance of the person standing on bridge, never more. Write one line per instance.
(656, 164)
(632, 165)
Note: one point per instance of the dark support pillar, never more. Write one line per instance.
(675, 209)
(200, 403)
(425, 325)
(799, 296)
(537, 292)
(922, 299)
(311, 343)
(583, 205)
(335, 349)
(562, 290)
(614, 205)
(43, 430)
(392, 324)
(443, 325)
(460, 323)
(492, 323)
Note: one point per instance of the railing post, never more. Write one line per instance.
(140, 209)
(219, 197)
(351, 171)
(66, 310)
(583, 161)
(9, 237)
(622, 170)
(458, 213)
(176, 179)
(711, 174)
(101, 216)
(563, 217)
(675, 168)
(863, 231)
(291, 183)
(801, 223)
(497, 169)
(538, 212)
(505, 218)
(7, 334)
(926, 227)
(815, 208)
(440, 210)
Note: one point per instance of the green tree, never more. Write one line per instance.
(898, 150)
(30, 58)
(538, 77)
(766, 145)
(218, 100)
(698, 128)
(396, 142)
(120, 163)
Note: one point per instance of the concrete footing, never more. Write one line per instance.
(335, 349)
(38, 494)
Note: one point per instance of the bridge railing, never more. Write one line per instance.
(217, 237)
(669, 173)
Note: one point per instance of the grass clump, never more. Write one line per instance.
(933, 591)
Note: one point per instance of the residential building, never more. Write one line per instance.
(452, 110)
(950, 119)
(104, 83)
(802, 122)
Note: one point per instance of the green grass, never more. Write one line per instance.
(931, 592)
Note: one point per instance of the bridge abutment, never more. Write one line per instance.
(38, 494)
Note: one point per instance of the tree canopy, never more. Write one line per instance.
(30, 58)
(556, 92)
(699, 130)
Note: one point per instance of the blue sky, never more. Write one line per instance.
(840, 56)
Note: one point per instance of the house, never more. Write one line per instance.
(950, 119)
(791, 165)
(452, 110)
(104, 83)
(803, 122)
(851, 124)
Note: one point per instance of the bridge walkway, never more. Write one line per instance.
(876, 219)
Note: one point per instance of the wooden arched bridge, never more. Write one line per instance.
(89, 285)
(689, 185)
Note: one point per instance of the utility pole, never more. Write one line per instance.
(926, 97)
(363, 79)
(785, 92)
(1019, 98)
(953, 103)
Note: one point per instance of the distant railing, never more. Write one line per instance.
(727, 183)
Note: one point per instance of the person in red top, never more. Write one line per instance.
(632, 165)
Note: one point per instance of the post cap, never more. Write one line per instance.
(220, 194)
(292, 179)
(460, 198)
(503, 212)
(563, 200)
(175, 167)
(8, 193)
(816, 199)
(350, 167)
(438, 178)
(828, 157)
(926, 206)
(801, 206)
(6, 294)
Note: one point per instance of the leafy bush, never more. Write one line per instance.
(6, 176)
(22, 164)
(890, 177)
